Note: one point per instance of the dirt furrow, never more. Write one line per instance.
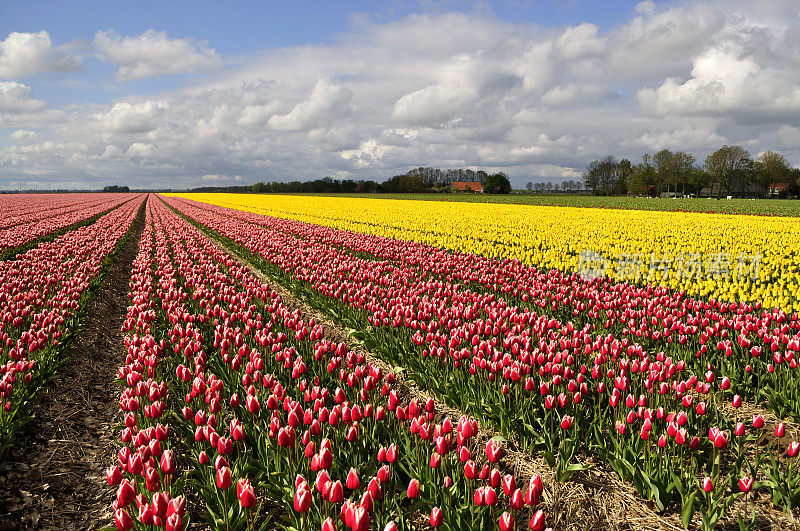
(54, 478)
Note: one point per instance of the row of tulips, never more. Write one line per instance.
(24, 208)
(312, 435)
(32, 217)
(758, 345)
(655, 416)
(42, 292)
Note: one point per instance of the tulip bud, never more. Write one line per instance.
(436, 517)
(123, 520)
(223, 478)
(537, 521)
(793, 448)
(113, 476)
(506, 522)
(125, 493)
(745, 484)
(246, 494)
(353, 482)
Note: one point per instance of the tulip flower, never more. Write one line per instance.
(538, 521)
(413, 488)
(302, 500)
(223, 478)
(506, 522)
(123, 520)
(245, 493)
(436, 517)
(793, 448)
(353, 482)
(745, 484)
(125, 493)
(113, 476)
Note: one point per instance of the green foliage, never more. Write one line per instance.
(497, 183)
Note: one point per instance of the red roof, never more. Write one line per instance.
(463, 186)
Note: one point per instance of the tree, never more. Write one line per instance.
(624, 170)
(497, 183)
(601, 175)
(643, 176)
(730, 167)
(770, 169)
(683, 164)
(529, 186)
(116, 189)
(664, 165)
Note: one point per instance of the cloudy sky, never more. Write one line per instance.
(177, 94)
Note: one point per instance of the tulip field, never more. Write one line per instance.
(318, 363)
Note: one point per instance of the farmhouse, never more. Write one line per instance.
(467, 186)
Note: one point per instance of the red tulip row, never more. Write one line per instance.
(40, 218)
(19, 208)
(41, 294)
(645, 410)
(265, 402)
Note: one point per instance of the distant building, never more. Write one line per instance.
(751, 190)
(778, 189)
(467, 186)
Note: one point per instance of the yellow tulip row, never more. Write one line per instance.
(721, 256)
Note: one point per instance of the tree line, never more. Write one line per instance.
(548, 187)
(729, 171)
(418, 180)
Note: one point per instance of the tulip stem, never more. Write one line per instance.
(225, 506)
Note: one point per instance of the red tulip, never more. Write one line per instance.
(353, 482)
(122, 520)
(745, 484)
(223, 478)
(302, 499)
(538, 521)
(708, 485)
(125, 493)
(493, 451)
(469, 469)
(336, 492)
(506, 521)
(509, 485)
(245, 493)
(167, 462)
(413, 488)
(436, 517)
(113, 476)
(793, 448)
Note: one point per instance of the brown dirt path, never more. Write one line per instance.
(55, 476)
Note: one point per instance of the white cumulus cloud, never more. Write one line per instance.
(327, 103)
(153, 53)
(29, 54)
(16, 98)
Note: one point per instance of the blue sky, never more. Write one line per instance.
(176, 93)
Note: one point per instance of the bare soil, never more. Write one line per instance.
(55, 476)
